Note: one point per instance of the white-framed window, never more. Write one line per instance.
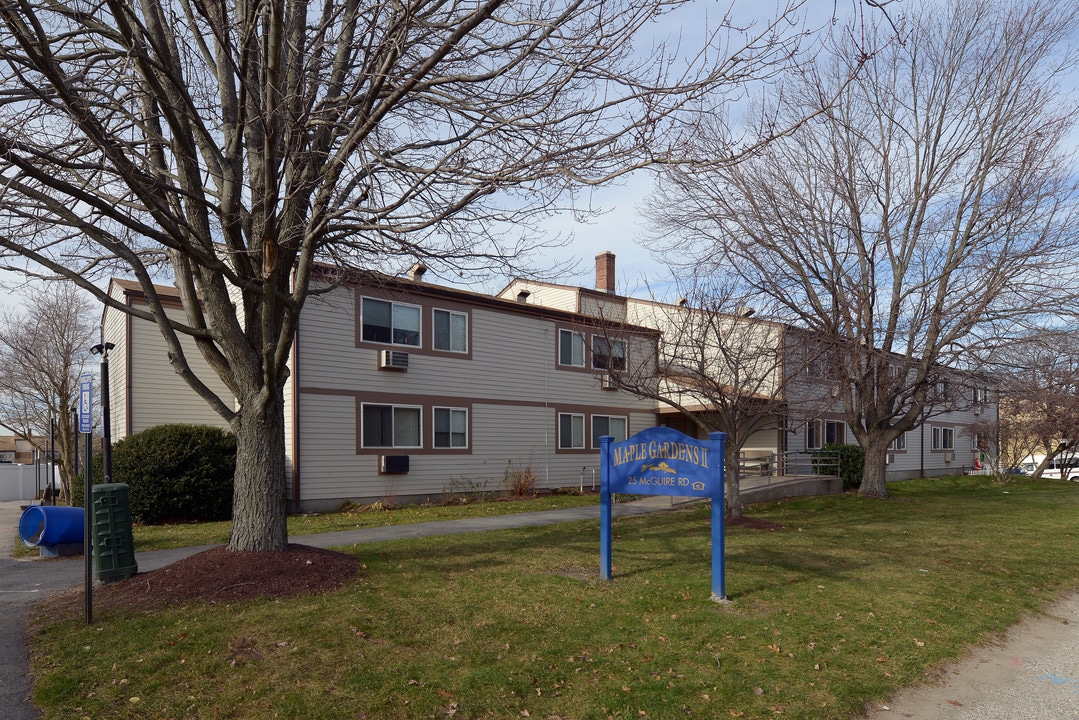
(570, 348)
(943, 438)
(570, 431)
(450, 331)
(608, 354)
(979, 395)
(825, 432)
(900, 443)
(613, 425)
(390, 426)
(978, 442)
(451, 427)
(389, 322)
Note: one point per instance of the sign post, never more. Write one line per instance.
(86, 427)
(663, 461)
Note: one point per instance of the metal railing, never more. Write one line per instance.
(790, 465)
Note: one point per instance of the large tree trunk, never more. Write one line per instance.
(731, 484)
(874, 472)
(258, 499)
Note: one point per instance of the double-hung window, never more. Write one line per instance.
(451, 331)
(451, 428)
(391, 426)
(943, 438)
(612, 425)
(570, 348)
(824, 432)
(570, 431)
(608, 354)
(390, 322)
(900, 442)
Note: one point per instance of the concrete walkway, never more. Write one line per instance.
(1033, 674)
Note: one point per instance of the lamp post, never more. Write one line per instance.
(102, 349)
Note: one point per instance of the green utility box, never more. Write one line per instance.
(114, 545)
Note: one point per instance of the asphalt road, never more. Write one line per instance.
(1030, 674)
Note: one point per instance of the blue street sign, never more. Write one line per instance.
(86, 403)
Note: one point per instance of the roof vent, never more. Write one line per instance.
(522, 296)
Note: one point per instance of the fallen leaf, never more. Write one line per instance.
(758, 691)
(445, 693)
(955, 702)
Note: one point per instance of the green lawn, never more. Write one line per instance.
(854, 599)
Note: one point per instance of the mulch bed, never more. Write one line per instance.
(218, 575)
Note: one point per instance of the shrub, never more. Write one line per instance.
(851, 463)
(176, 473)
(519, 481)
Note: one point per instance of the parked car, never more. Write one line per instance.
(1066, 469)
(1060, 468)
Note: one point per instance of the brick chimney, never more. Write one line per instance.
(605, 271)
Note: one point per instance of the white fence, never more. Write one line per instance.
(23, 482)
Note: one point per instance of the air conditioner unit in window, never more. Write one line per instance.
(949, 456)
(607, 382)
(393, 360)
(393, 464)
(889, 459)
(977, 409)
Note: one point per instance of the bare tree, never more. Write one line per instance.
(921, 215)
(1039, 386)
(236, 145)
(43, 349)
(721, 364)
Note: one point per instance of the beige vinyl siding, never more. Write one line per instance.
(544, 295)
(157, 394)
(114, 330)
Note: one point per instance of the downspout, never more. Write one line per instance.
(546, 409)
(921, 447)
(127, 369)
(294, 357)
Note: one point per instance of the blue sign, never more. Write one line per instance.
(86, 403)
(663, 461)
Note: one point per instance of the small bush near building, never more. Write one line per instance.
(177, 473)
(851, 460)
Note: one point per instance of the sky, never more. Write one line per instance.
(621, 228)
